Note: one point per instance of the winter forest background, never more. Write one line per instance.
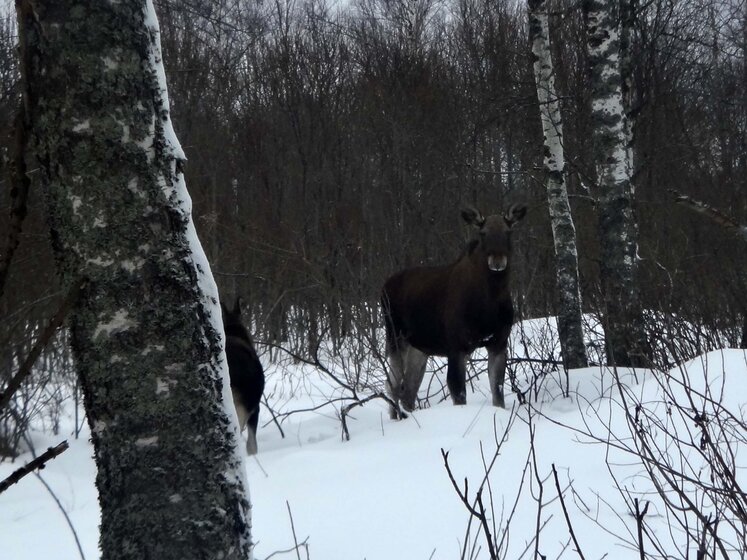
(330, 145)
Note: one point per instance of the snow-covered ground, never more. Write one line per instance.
(386, 493)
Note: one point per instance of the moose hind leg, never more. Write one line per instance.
(395, 378)
(241, 410)
(415, 362)
(497, 359)
(456, 378)
(251, 432)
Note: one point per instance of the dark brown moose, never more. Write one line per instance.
(450, 311)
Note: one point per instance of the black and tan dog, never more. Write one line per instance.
(245, 370)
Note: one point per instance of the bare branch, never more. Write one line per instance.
(715, 215)
(565, 513)
(25, 370)
(64, 514)
(38, 463)
(475, 512)
(297, 546)
(639, 515)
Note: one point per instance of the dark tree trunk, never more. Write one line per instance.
(146, 331)
(618, 232)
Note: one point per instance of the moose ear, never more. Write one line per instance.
(515, 213)
(472, 216)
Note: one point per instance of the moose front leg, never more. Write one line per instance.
(497, 359)
(496, 374)
(456, 378)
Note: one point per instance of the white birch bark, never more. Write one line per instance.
(570, 329)
(146, 332)
(623, 321)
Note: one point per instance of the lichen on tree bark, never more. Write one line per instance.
(147, 350)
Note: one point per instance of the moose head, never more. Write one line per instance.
(494, 234)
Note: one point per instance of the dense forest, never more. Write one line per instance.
(330, 145)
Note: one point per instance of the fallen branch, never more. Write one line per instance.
(38, 463)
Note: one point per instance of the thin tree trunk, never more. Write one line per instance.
(146, 330)
(618, 232)
(570, 328)
(19, 192)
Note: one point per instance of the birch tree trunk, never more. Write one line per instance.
(623, 320)
(146, 331)
(570, 328)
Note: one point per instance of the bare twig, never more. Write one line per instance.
(541, 488)
(360, 402)
(315, 361)
(38, 463)
(295, 538)
(25, 370)
(565, 513)
(639, 515)
(64, 513)
(715, 215)
(274, 416)
(303, 544)
(477, 512)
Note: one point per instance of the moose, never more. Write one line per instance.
(245, 371)
(451, 310)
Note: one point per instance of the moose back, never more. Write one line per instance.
(450, 311)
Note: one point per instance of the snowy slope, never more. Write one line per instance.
(386, 494)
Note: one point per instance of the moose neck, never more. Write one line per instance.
(236, 330)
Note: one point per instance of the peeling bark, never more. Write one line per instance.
(145, 332)
(618, 233)
(570, 328)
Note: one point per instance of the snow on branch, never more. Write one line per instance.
(717, 216)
